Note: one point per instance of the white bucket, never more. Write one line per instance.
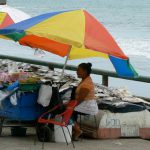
(59, 136)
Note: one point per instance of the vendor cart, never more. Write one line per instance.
(24, 113)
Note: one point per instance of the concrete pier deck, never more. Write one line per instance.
(7, 142)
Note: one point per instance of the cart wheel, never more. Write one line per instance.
(44, 134)
(1, 125)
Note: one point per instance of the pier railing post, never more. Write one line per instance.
(105, 80)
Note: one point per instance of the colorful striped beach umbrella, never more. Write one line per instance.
(75, 34)
(9, 15)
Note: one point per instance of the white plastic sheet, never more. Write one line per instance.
(2, 96)
(13, 99)
(45, 94)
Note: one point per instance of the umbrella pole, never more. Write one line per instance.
(62, 74)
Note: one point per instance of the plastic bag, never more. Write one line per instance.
(13, 99)
(13, 86)
(5, 77)
(45, 94)
(2, 96)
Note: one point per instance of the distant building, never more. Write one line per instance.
(3, 2)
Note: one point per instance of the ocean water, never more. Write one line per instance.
(128, 21)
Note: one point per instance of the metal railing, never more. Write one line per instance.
(104, 73)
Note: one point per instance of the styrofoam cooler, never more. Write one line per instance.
(144, 131)
(59, 136)
(117, 125)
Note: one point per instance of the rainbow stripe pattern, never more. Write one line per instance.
(75, 32)
(5, 20)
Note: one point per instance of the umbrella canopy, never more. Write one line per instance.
(9, 15)
(76, 33)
